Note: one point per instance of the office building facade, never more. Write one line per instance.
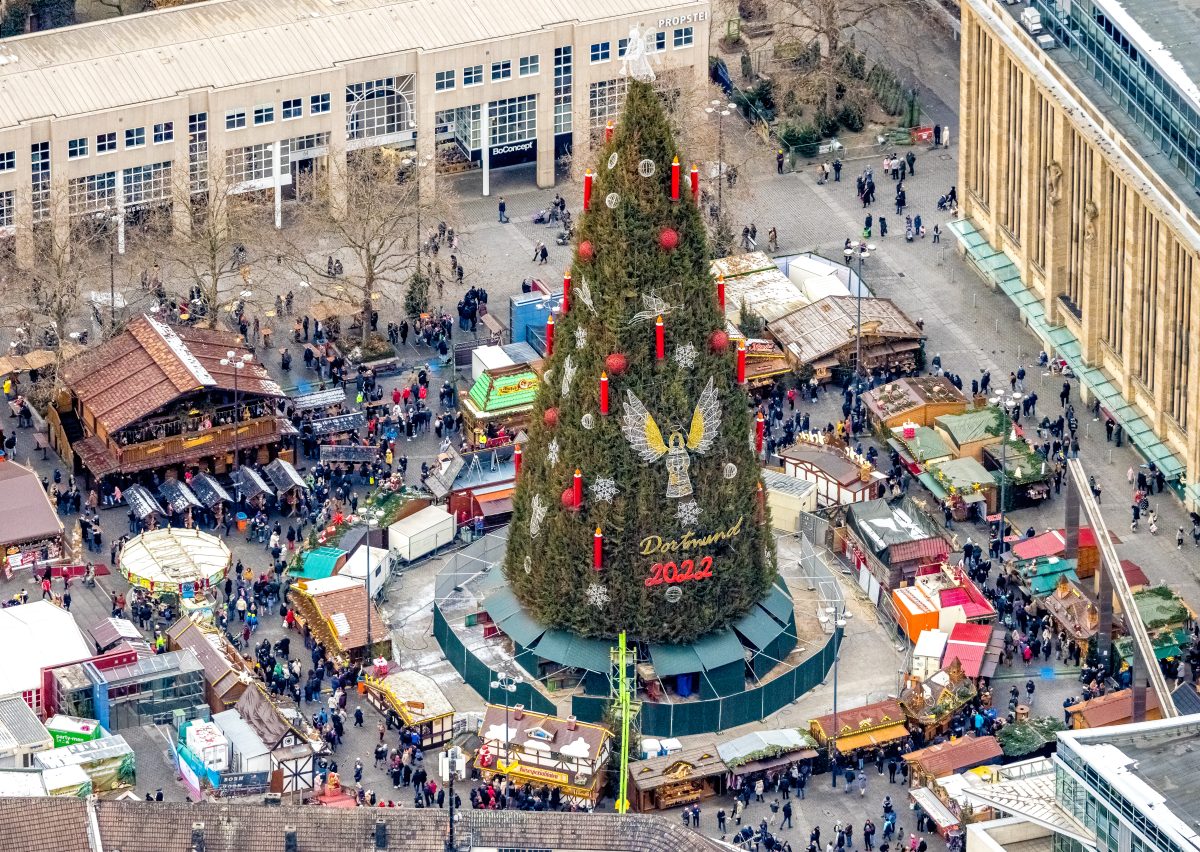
(1078, 178)
(112, 118)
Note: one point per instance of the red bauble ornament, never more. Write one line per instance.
(616, 364)
(718, 341)
(668, 239)
(550, 417)
(586, 252)
(568, 499)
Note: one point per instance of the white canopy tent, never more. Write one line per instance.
(170, 560)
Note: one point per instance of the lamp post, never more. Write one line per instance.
(231, 359)
(418, 163)
(454, 767)
(1004, 400)
(507, 683)
(370, 515)
(863, 251)
(839, 614)
(721, 111)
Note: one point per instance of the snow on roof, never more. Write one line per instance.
(47, 636)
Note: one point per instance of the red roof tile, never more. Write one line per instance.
(954, 756)
(967, 642)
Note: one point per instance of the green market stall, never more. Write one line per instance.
(501, 396)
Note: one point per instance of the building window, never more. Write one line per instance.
(530, 65)
(379, 107)
(318, 104)
(8, 161)
(39, 166)
(601, 51)
(502, 70)
(147, 184)
(302, 148)
(683, 37)
(660, 41)
(473, 75)
(8, 206)
(443, 81)
(293, 108)
(77, 148)
(106, 142)
(264, 114)
(563, 79)
(164, 132)
(92, 193)
(513, 120)
(135, 137)
(605, 100)
(235, 120)
(249, 164)
(198, 151)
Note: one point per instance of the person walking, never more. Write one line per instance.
(779, 161)
(502, 207)
(787, 815)
(837, 171)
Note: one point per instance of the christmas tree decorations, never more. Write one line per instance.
(741, 362)
(550, 334)
(721, 292)
(587, 190)
(566, 299)
(657, 435)
(695, 177)
(517, 461)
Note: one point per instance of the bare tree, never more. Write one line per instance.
(829, 25)
(370, 211)
(214, 255)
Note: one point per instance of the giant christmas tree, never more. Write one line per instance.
(662, 491)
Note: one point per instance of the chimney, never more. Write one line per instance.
(518, 712)
(290, 843)
(571, 723)
(381, 838)
(197, 837)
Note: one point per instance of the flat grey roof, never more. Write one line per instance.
(226, 43)
(1174, 24)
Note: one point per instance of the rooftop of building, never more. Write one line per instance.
(1168, 36)
(226, 43)
(1103, 109)
(1151, 764)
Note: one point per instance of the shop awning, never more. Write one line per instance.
(250, 482)
(932, 805)
(507, 614)
(867, 739)
(935, 487)
(179, 495)
(775, 762)
(491, 507)
(759, 628)
(283, 476)
(141, 502)
(675, 660)
(575, 652)
(209, 490)
(319, 399)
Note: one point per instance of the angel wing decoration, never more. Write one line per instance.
(646, 438)
(656, 306)
(584, 291)
(638, 52)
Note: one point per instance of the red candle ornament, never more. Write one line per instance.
(741, 362)
(587, 189)
(516, 461)
(721, 292)
(695, 176)
(760, 428)
(675, 179)
(598, 549)
(660, 343)
(566, 291)
(608, 131)
(604, 393)
(577, 488)
(550, 335)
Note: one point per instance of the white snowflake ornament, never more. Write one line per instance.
(612, 160)
(597, 595)
(730, 470)
(587, 421)
(604, 489)
(674, 594)
(528, 566)
(646, 168)
(612, 200)
(688, 513)
(552, 452)
(580, 337)
(685, 356)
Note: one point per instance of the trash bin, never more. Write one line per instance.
(241, 521)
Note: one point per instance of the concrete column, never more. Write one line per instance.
(181, 184)
(1132, 254)
(1071, 519)
(277, 180)
(968, 79)
(60, 214)
(1058, 219)
(994, 125)
(545, 133)
(23, 222)
(120, 205)
(1192, 418)
(1095, 250)
(426, 112)
(1164, 315)
(582, 155)
(1031, 177)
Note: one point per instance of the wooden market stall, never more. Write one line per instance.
(918, 400)
(931, 704)
(867, 727)
(1073, 612)
(683, 778)
(562, 754)
(968, 432)
(919, 447)
(841, 476)
(335, 609)
(963, 484)
(887, 544)
(1115, 708)
(500, 397)
(419, 703)
(1054, 543)
(1030, 477)
(939, 597)
(928, 764)
(30, 530)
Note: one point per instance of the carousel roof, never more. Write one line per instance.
(174, 556)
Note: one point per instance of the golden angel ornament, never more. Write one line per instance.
(646, 438)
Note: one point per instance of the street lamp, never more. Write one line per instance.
(507, 683)
(1004, 400)
(418, 163)
(454, 767)
(839, 614)
(863, 251)
(721, 111)
(238, 364)
(370, 515)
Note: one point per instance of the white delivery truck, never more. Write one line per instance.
(421, 534)
(1031, 20)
